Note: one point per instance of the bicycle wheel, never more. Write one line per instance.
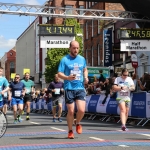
(3, 124)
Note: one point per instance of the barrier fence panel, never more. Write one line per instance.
(139, 109)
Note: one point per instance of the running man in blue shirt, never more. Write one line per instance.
(72, 69)
(18, 90)
(4, 87)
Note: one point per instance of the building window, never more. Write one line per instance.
(87, 30)
(98, 54)
(89, 4)
(129, 53)
(92, 3)
(86, 5)
(69, 11)
(81, 11)
(12, 65)
(92, 28)
(92, 55)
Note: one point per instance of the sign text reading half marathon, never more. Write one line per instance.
(52, 30)
(135, 45)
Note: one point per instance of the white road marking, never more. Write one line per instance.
(95, 138)
(144, 134)
(10, 116)
(57, 129)
(123, 145)
(34, 123)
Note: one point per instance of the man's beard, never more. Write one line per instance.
(74, 54)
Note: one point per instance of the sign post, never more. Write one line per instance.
(134, 61)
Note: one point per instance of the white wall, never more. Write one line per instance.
(25, 51)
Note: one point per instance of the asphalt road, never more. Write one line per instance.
(41, 133)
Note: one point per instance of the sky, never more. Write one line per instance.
(12, 26)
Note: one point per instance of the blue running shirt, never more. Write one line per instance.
(3, 84)
(16, 89)
(73, 65)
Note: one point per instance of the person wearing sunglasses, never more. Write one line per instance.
(17, 89)
(124, 85)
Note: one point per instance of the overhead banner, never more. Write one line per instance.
(107, 33)
(55, 41)
(135, 45)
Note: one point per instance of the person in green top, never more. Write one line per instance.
(29, 86)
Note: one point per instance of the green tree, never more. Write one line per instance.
(54, 55)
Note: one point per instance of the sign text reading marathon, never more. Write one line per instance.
(136, 46)
(47, 30)
(57, 42)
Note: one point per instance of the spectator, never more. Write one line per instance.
(101, 78)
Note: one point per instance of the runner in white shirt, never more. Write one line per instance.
(123, 85)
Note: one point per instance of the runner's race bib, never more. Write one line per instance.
(17, 93)
(28, 91)
(123, 93)
(57, 91)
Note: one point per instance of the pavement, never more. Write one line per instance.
(40, 133)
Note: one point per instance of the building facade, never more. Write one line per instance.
(30, 55)
(94, 38)
(8, 62)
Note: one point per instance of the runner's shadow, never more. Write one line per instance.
(41, 138)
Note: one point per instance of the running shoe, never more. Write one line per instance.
(78, 128)
(59, 120)
(54, 119)
(27, 118)
(15, 121)
(19, 119)
(70, 135)
(124, 128)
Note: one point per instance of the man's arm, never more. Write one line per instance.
(9, 94)
(132, 88)
(85, 72)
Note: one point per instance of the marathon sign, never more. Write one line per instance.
(55, 41)
(107, 36)
(135, 45)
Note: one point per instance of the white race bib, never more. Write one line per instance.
(28, 90)
(57, 91)
(123, 93)
(17, 93)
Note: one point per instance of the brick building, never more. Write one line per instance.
(93, 35)
(65, 4)
(8, 62)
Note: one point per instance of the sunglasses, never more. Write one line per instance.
(17, 77)
(125, 75)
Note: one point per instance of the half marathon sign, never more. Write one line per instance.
(49, 30)
(107, 47)
(135, 45)
(55, 41)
